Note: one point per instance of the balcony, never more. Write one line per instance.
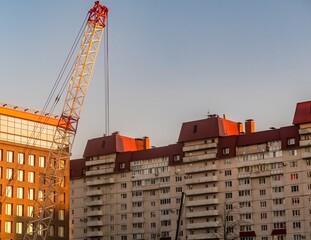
(276, 171)
(95, 234)
(95, 223)
(199, 157)
(94, 213)
(200, 180)
(202, 214)
(100, 181)
(304, 131)
(306, 155)
(278, 207)
(202, 236)
(201, 169)
(244, 175)
(90, 193)
(202, 191)
(199, 147)
(99, 172)
(202, 202)
(95, 203)
(305, 143)
(99, 162)
(202, 225)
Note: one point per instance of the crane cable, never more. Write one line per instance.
(106, 69)
(39, 125)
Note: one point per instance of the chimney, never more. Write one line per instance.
(240, 128)
(249, 126)
(146, 142)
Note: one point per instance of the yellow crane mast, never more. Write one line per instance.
(57, 162)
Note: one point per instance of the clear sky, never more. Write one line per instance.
(170, 62)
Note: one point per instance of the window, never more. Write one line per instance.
(178, 189)
(20, 158)
(9, 156)
(31, 160)
(225, 151)
(9, 173)
(296, 225)
(30, 211)
(123, 195)
(178, 179)
(244, 193)
(176, 157)
(51, 230)
(123, 217)
(61, 214)
(61, 231)
(122, 165)
(295, 200)
(227, 172)
(123, 185)
(31, 194)
(31, 177)
(264, 227)
(19, 210)
(20, 175)
(7, 227)
(123, 206)
(42, 162)
(9, 191)
(295, 188)
(20, 193)
(228, 184)
(293, 152)
(263, 215)
(294, 176)
(228, 195)
(19, 227)
(290, 141)
(263, 204)
(262, 192)
(8, 208)
(262, 180)
(165, 201)
(0, 154)
(296, 212)
(195, 128)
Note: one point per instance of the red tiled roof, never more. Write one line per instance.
(111, 144)
(77, 168)
(207, 128)
(302, 113)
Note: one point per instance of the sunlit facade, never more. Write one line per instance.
(25, 141)
(221, 180)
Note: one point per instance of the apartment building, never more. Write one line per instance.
(221, 180)
(25, 141)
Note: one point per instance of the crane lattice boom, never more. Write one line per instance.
(57, 162)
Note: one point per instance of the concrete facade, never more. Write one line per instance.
(220, 181)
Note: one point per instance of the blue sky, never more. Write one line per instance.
(170, 62)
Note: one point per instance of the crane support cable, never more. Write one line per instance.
(106, 67)
(45, 114)
(57, 162)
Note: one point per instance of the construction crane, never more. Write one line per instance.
(58, 158)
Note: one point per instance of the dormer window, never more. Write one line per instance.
(225, 151)
(122, 165)
(195, 128)
(290, 141)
